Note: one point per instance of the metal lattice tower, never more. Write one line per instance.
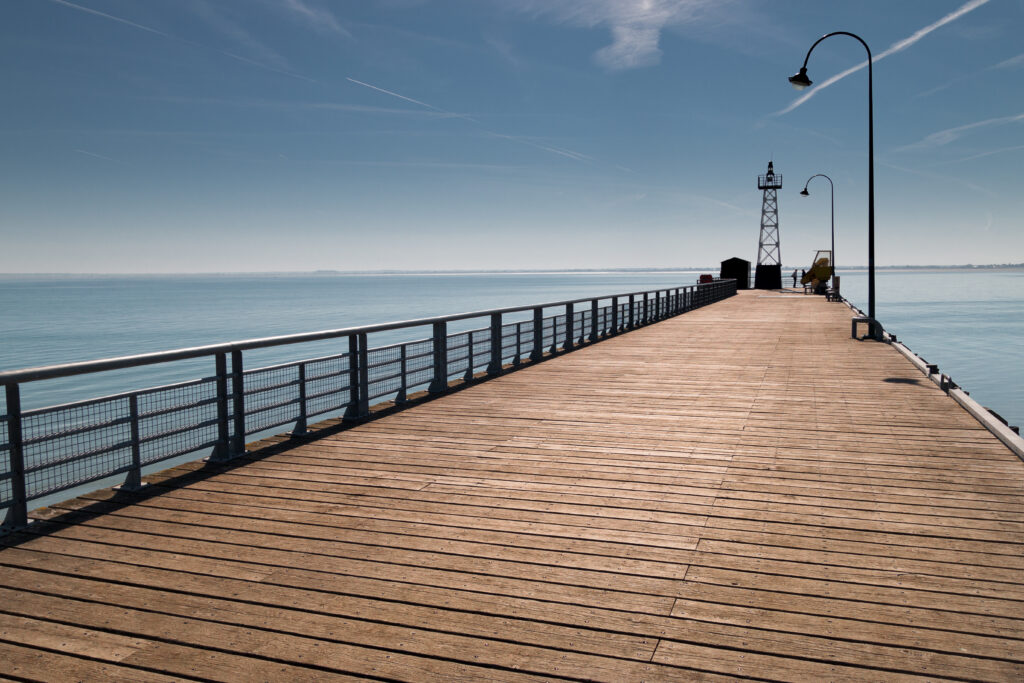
(768, 246)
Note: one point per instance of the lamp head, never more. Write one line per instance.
(800, 80)
(805, 193)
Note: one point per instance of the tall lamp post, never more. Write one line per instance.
(805, 193)
(801, 81)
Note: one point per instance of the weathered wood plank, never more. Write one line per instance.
(657, 506)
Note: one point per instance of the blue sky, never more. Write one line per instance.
(294, 135)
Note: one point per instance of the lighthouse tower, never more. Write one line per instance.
(769, 260)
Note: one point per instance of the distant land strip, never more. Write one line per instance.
(514, 271)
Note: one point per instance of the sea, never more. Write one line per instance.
(970, 322)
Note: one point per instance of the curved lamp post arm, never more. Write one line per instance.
(801, 80)
(836, 33)
(832, 190)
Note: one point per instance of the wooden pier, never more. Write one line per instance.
(740, 491)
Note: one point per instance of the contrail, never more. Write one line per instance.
(568, 153)
(898, 46)
(100, 156)
(141, 27)
(394, 94)
(111, 17)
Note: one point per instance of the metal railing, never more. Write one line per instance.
(57, 448)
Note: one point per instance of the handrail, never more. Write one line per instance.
(122, 362)
(59, 448)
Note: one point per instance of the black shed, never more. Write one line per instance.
(737, 269)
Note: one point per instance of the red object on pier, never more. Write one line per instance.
(705, 278)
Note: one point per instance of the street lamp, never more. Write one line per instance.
(801, 81)
(805, 193)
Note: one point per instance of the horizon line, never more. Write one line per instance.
(481, 271)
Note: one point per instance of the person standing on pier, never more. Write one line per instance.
(794, 278)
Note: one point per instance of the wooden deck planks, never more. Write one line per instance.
(742, 491)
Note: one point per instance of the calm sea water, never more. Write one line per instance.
(970, 323)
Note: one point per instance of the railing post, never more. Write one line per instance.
(133, 482)
(519, 344)
(593, 320)
(364, 375)
(440, 382)
(301, 427)
(538, 335)
(469, 357)
(631, 319)
(17, 514)
(237, 404)
(354, 388)
(403, 388)
(570, 327)
(494, 367)
(220, 451)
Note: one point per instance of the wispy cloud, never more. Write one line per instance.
(954, 180)
(743, 211)
(898, 46)
(441, 165)
(944, 137)
(635, 25)
(184, 41)
(530, 142)
(1011, 63)
(219, 20)
(1001, 150)
(100, 156)
(316, 16)
(250, 103)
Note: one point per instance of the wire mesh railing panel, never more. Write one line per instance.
(558, 331)
(384, 370)
(516, 342)
(526, 337)
(419, 364)
(547, 335)
(177, 419)
(328, 384)
(81, 470)
(51, 434)
(72, 444)
(458, 354)
(271, 397)
(480, 352)
(581, 324)
(603, 320)
(6, 487)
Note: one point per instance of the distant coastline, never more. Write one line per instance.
(508, 271)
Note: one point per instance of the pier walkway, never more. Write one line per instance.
(741, 491)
